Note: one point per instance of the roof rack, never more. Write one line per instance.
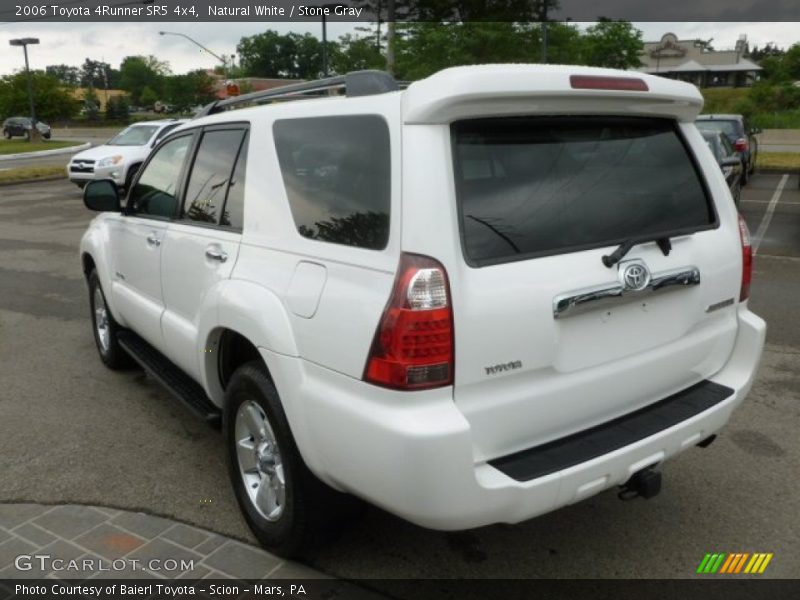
(357, 83)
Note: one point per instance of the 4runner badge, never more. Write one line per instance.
(634, 275)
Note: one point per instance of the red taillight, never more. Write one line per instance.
(747, 260)
(413, 345)
(603, 82)
(741, 145)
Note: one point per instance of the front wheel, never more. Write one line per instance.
(105, 328)
(6, 134)
(284, 504)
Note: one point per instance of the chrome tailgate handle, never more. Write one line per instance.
(565, 305)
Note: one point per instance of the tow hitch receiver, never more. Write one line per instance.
(645, 483)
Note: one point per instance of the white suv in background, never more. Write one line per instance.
(121, 156)
(497, 292)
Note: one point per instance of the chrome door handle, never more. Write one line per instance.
(216, 254)
(153, 240)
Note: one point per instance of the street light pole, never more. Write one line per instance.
(24, 43)
(325, 8)
(198, 44)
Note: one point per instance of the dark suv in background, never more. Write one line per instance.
(741, 135)
(21, 127)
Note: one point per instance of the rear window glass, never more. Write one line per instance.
(729, 128)
(548, 185)
(337, 176)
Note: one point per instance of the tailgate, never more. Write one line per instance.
(549, 339)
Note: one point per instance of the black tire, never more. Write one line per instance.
(111, 353)
(130, 175)
(745, 177)
(311, 510)
(6, 134)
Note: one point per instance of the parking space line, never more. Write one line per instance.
(785, 203)
(762, 228)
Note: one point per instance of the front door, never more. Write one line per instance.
(139, 237)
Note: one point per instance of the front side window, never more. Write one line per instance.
(211, 175)
(155, 191)
(337, 174)
(548, 185)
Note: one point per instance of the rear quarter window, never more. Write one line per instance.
(548, 185)
(337, 175)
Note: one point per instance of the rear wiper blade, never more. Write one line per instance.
(664, 244)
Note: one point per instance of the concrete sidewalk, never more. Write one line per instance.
(86, 542)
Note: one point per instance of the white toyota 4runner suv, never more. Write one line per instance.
(497, 292)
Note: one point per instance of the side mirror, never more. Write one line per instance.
(102, 196)
(730, 161)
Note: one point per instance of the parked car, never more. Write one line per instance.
(119, 158)
(740, 134)
(22, 126)
(729, 161)
(497, 292)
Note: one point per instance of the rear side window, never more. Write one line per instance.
(548, 185)
(211, 175)
(337, 176)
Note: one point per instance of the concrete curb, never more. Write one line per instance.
(57, 151)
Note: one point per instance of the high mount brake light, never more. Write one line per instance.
(413, 344)
(603, 82)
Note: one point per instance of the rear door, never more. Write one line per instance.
(553, 335)
(201, 246)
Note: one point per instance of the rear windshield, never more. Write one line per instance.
(548, 185)
(138, 135)
(729, 128)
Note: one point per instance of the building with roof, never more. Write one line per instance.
(693, 61)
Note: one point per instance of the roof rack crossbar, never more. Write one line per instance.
(357, 83)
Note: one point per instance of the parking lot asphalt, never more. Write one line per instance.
(73, 432)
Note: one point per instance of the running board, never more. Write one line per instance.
(178, 383)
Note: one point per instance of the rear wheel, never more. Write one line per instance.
(105, 328)
(284, 504)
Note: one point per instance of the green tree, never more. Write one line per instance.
(52, 99)
(67, 75)
(140, 72)
(91, 104)
(191, 89)
(355, 54)
(291, 55)
(147, 97)
(615, 44)
(98, 74)
(118, 109)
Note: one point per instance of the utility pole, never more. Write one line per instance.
(24, 42)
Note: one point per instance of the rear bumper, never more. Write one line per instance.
(412, 454)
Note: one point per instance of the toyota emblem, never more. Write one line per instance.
(635, 276)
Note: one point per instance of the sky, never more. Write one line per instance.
(71, 43)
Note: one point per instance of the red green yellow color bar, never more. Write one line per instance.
(734, 563)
